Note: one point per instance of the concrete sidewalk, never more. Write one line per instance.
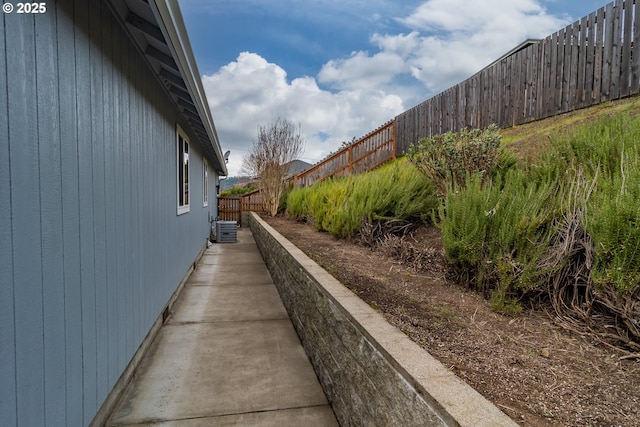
(228, 356)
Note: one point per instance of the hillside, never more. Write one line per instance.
(536, 366)
(532, 369)
(232, 181)
(528, 139)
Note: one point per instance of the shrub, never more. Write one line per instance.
(566, 227)
(612, 149)
(342, 206)
(238, 191)
(448, 158)
(495, 233)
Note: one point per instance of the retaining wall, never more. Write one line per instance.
(370, 371)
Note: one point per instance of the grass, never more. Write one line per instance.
(528, 139)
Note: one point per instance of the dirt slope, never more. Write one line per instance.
(533, 370)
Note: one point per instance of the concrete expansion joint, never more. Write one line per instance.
(230, 357)
(222, 322)
(274, 410)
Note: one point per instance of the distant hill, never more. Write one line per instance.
(295, 167)
(232, 181)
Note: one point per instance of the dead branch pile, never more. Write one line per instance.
(394, 238)
(578, 304)
(373, 233)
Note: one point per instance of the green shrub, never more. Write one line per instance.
(613, 222)
(297, 204)
(503, 234)
(238, 191)
(448, 158)
(342, 206)
(495, 233)
(611, 147)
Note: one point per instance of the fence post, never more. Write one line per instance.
(394, 144)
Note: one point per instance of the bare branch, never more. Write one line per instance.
(277, 145)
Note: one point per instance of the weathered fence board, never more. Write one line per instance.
(635, 63)
(363, 155)
(599, 46)
(591, 57)
(582, 61)
(229, 208)
(583, 64)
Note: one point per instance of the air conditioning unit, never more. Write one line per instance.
(226, 232)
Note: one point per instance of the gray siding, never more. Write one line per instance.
(91, 247)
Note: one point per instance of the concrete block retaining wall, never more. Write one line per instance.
(370, 371)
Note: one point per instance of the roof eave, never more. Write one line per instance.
(168, 13)
(157, 29)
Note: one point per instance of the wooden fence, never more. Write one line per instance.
(586, 63)
(231, 207)
(367, 153)
(252, 202)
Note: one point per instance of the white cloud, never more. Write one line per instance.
(449, 41)
(251, 91)
(480, 16)
(445, 42)
(362, 71)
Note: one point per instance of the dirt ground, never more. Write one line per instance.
(533, 370)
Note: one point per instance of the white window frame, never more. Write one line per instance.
(182, 173)
(205, 183)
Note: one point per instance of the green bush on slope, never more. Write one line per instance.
(564, 228)
(449, 158)
(342, 206)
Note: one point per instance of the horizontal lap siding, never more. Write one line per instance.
(92, 247)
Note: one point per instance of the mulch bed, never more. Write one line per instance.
(536, 372)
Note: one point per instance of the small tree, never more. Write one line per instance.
(278, 144)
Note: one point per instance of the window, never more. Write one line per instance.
(183, 171)
(205, 183)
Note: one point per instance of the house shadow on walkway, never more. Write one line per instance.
(228, 354)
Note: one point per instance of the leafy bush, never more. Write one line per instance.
(494, 234)
(448, 158)
(566, 227)
(238, 191)
(342, 206)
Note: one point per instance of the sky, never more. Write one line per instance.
(342, 68)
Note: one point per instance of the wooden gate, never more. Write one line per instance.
(229, 208)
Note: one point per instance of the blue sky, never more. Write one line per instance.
(341, 68)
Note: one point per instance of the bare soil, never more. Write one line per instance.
(533, 370)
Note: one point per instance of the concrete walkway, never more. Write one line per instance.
(228, 356)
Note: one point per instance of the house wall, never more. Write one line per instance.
(91, 247)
